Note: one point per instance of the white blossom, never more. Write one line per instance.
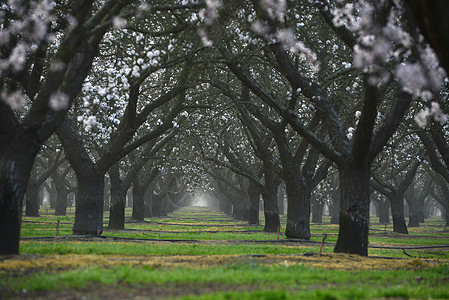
(434, 111)
(213, 4)
(118, 22)
(16, 60)
(412, 78)
(260, 28)
(15, 100)
(89, 122)
(59, 101)
(204, 38)
(274, 8)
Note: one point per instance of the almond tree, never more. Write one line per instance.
(352, 154)
(46, 83)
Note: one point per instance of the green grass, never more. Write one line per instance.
(273, 281)
(123, 248)
(245, 279)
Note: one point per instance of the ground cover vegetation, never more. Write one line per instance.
(304, 127)
(167, 263)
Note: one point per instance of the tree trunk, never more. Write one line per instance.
(16, 162)
(129, 198)
(157, 205)
(227, 208)
(254, 198)
(298, 206)
(413, 211)
(354, 210)
(397, 213)
(107, 196)
(421, 215)
(32, 200)
(271, 210)
(53, 194)
(89, 204)
(118, 198)
(335, 207)
(317, 212)
(237, 209)
(446, 216)
(138, 201)
(148, 198)
(384, 212)
(281, 193)
(61, 200)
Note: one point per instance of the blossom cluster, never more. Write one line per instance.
(434, 111)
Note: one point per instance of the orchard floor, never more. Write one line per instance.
(199, 253)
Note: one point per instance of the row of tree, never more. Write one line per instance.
(187, 92)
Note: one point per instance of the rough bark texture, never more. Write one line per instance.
(16, 161)
(298, 207)
(413, 213)
(89, 204)
(354, 210)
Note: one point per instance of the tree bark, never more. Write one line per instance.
(118, 198)
(414, 214)
(53, 194)
(16, 162)
(384, 212)
(138, 201)
(354, 210)
(89, 204)
(61, 200)
(157, 205)
(317, 211)
(397, 213)
(281, 193)
(298, 205)
(269, 194)
(148, 198)
(254, 192)
(32, 200)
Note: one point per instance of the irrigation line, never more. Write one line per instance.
(143, 231)
(235, 241)
(199, 225)
(410, 247)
